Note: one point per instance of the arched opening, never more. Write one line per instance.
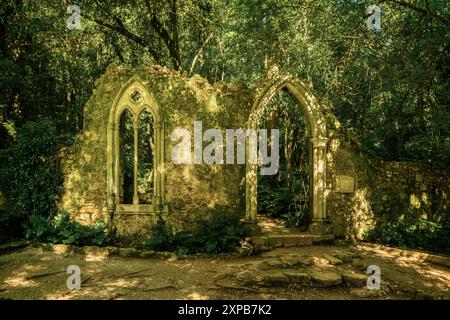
(283, 199)
(146, 148)
(126, 171)
(316, 126)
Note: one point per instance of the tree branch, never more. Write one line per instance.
(175, 40)
(171, 44)
(120, 28)
(194, 61)
(419, 9)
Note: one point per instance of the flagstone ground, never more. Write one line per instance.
(315, 272)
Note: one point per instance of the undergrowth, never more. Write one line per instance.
(220, 234)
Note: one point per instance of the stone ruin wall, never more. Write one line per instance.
(360, 189)
(365, 190)
(191, 191)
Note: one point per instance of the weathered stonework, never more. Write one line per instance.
(190, 191)
(383, 190)
(352, 191)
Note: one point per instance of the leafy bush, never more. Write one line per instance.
(60, 229)
(220, 234)
(422, 234)
(30, 174)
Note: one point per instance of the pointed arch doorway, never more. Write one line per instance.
(318, 141)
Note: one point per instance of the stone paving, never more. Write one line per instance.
(298, 269)
(310, 272)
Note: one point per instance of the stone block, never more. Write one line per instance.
(229, 284)
(439, 260)
(148, 254)
(304, 240)
(325, 278)
(323, 239)
(320, 228)
(333, 260)
(128, 252)
(344, 256)
(273, 278)
(305, 260)
(270, 264)
(259, 241)
(112, 250)
(276, 241)
(354, 279)
(291, 240)
(63, 249)
(246, 277)
(95, 251)
(290, 261)
(275, 263)
(298, 277)
(13, 246)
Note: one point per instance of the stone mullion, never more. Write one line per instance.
(160, 163)
(135, 181)
(156, 165)
(250, 186)
(116, 162)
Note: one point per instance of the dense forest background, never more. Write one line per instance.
(390, 87)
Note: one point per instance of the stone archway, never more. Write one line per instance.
(317, 127)
(135, 97)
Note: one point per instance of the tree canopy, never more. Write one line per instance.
(388, 86)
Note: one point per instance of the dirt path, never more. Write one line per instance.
(318, 272)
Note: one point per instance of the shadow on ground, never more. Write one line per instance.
(316, 272)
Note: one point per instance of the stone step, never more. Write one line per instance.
(306, 277)
(290, 240)
(281, 269)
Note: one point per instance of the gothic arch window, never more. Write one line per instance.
(135, 152)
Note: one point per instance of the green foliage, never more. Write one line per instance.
(284, 203)
(422, 234)
(298, 215)
(389, 87)
(220, 234)
(30, 174)
(274, 202)
(10, 227)
(60, 229)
